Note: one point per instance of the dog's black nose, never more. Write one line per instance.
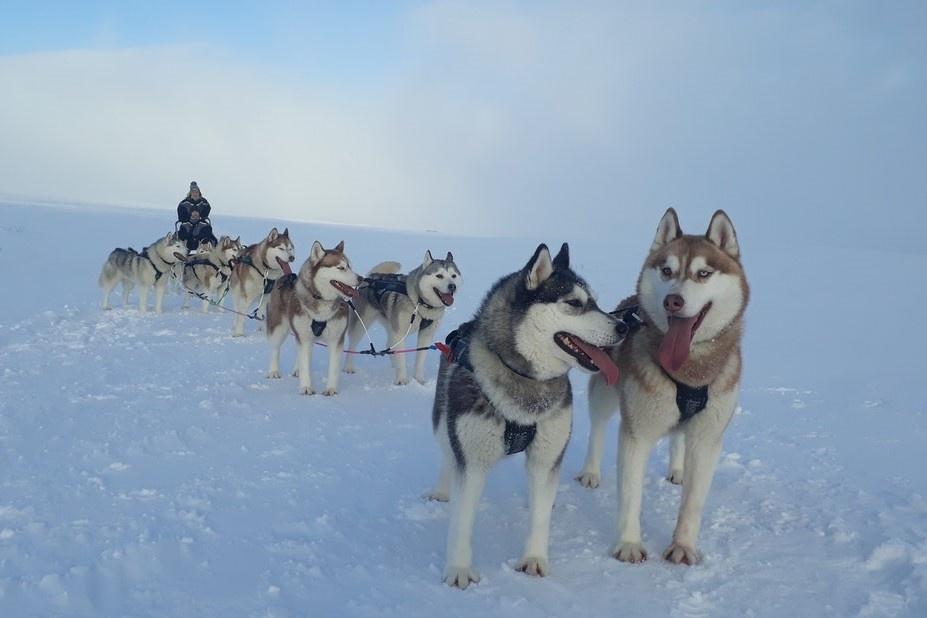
(451, 287)
(622, 328)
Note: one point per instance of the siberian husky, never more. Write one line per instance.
(151, 267)
(405, 303)
(255, 272)
(208, 270)
(312, 305)
(507, 391)
(680, 376)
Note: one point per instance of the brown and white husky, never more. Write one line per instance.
(255, 272)
(680, 375)
(312, 305)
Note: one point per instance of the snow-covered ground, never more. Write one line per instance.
(147, 467)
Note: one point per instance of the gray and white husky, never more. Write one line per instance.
(417, 305)
(208, 270)
(151, 267)
(255, 272)
(680, 375)
(508, 391)
(312, 305)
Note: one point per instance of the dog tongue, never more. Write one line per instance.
(674, 349)
(600, 358)
(285, 267)
(447, 298)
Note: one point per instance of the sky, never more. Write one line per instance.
(805, 121)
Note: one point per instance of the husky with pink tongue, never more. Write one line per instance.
(503, 388)
(680, 375)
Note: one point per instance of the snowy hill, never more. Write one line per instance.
(147, 467)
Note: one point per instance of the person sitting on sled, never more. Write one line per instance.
(193, 218)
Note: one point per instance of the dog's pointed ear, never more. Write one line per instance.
(562, 260)
(238, 239)
(667, 231)
(721, 232)
(539, 268)
(428, 259)
(273, 234)
(340, 247)
(316, 253)
(450, 257)
(286, 232)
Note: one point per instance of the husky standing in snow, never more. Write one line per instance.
(313, 306)
(405, 303)
(508, 391)
(208, 270)
(680, 372)
(255, 272)
(151, 267)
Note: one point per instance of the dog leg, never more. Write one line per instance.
(424, 339)
(276, 338)
(677, 457)
(126, 290)
(603, 400)
(458, 571)
(398, 360)
(305, 362)
(241, 305)
(542, 489)
(633, 452)
(354, 332)
(160, 289)
(107, 290)
(335, 352)
(701, 458)
(143, 298)
(442, 491)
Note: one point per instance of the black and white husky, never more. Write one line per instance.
(415, 302)
(507, 390)
(150, 268)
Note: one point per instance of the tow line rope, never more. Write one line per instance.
(372, 351)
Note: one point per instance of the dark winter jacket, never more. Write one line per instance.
(188, 205)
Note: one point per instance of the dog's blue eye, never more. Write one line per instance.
(704, 274)
(667, 271)
(574, 303)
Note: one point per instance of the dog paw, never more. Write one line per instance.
(306, 390)
(630, 552)
(401, 381)
(677, 553)
(436, 495)
(533, 565)
(329, 392)
(675, 477)
(350, 370)
(273, 375)
(589, 479)
(238, 334)
(460, 577)
(421, 380)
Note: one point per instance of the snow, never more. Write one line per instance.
(147, 467)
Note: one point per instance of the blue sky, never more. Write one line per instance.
(479, 117)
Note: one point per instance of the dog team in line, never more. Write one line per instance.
(669, 357)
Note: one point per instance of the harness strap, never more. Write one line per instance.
(689, 399)
(318, 327)
(145, 255)
(517, 437)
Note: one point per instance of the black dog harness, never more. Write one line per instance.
(268, 283)
(517, 437)
(383, 283)
(145, 255)
(689, 399)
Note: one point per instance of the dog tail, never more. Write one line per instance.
(109, 271)
(385, 268)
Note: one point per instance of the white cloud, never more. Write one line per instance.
(500, 119)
